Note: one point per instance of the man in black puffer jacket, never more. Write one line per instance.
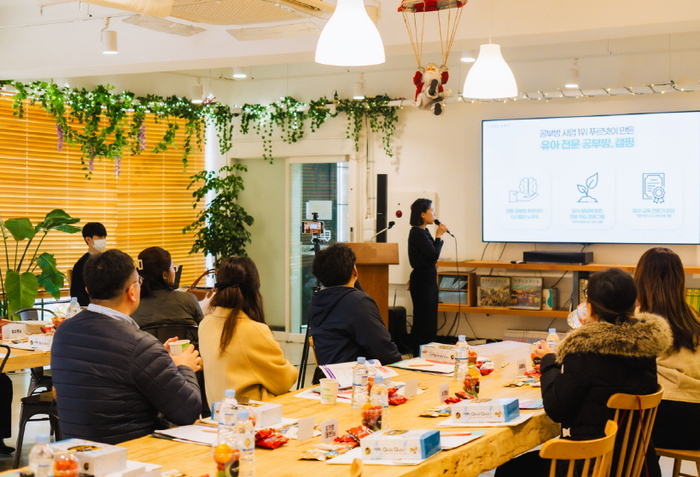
(114, 382)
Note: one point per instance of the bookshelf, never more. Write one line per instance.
(468, 265)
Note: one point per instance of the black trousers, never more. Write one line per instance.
(677, 424)
(424, 295)
(5, 406)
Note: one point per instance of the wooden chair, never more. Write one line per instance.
(635, 416)
(42, 380)
(313, 347)
(585, 458)
(678, 457)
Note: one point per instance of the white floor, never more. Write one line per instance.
(293, 352)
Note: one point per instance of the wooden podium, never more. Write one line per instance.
(373, 260)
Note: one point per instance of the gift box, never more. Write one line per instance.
(486, 410)
(438, 352)
(400, 444)
(137, 469)
(265, 414)
(95, 458)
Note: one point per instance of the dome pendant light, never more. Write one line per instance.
(490, 77)
(350, 38)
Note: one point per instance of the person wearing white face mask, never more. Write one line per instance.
(95, 236)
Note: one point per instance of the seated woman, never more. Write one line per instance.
(237, 347)
(165, 312)
(661, 283)
(614, 353)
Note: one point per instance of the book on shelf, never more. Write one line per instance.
(526, 293)
(494, 291)
(550, 299)
(458, 288)
(692, 297)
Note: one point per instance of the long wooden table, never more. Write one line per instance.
(23, 359)
(497, 446)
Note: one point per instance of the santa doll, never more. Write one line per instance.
(430, 93)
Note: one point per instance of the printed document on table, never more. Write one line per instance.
(342, 372)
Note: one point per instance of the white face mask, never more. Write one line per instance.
(99, 244)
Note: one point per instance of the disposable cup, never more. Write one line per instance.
(177, 347)
(329, 391)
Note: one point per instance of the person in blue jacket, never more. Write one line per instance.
(345, 322)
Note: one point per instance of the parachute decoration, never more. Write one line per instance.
(429, 80)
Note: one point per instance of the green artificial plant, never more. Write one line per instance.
(220, 228)
(21, 280)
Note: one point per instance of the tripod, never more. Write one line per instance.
(316, 240)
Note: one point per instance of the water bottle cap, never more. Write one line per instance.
(361, 359)
(378, 380)
(230, 393)
(462, 338)
(74, 300)
(552, 331)
(243, 414)
(42, 438)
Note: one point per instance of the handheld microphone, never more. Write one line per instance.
(437, 222)
(391, 224)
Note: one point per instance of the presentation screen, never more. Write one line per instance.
(632, 178)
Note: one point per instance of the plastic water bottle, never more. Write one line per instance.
(553, 339)
(578, 317)
(380, 398)
(360, 373)
(41, 456)
(245, 440)
(461, 355)
(73, 308)
(227, 412)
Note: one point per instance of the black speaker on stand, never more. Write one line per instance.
(382, 206)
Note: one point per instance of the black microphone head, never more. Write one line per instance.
(391, 224)
(437, 222)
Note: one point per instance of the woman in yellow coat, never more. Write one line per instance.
(237, 347)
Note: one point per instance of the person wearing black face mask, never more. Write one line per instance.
(95, 236)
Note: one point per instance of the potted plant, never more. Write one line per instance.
(20, 281)
(220, 229)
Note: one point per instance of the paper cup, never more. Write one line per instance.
(329, 391)
(177, 347)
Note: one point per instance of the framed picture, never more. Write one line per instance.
(526, 293)
(494, 291)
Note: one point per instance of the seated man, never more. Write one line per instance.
(115, 382)
(95, 236)
(345, 322)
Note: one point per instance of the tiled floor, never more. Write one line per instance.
(292, 352)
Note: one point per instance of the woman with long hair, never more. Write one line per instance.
(660, 279)
(237, 347)
(164, 310)
(615, 352)
(423, 254)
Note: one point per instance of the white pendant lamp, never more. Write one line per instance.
(490, 77)
(350, 38)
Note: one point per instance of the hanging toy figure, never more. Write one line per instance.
(430, 92)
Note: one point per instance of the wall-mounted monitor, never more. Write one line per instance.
(631, 178)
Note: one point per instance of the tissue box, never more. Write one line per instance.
(438, 352)
(267, 414)
(41, 342)
(486, 410)
(400, 445)
(95, 458)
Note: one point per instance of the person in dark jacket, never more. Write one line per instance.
(345, 322)
(615, 353)
(113, 381)
(95, 236)
(423, 253)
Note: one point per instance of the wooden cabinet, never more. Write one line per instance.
(467, 266)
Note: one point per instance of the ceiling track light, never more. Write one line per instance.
(359, 88)
(109, 40)
(239, 73)
(572, 76)
(197, 93)
(468, 56)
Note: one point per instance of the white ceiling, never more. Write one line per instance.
(63, 40)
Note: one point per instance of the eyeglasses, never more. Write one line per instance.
(585, 293)
(139, 280)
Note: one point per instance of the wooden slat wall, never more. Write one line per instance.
(147, 205)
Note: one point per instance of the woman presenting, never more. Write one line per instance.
(423, 253)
